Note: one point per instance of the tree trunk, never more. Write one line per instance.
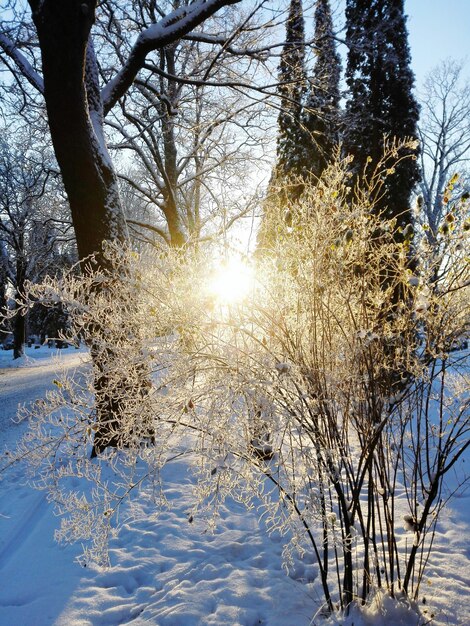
(4, 329)
(19, 321)
(19, 333)
(170, 173)
(63, 28)
(75, 113)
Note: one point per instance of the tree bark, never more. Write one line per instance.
(19, 334)
(74, 109)
(63, 28)
(19, 321)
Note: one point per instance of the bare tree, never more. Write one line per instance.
(67, 75)
(190, 124)
(186, 142)
(444, 132)
(27, 232)
(76, 106)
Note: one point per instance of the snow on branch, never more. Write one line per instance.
(171, 28)
(22, 63)
(261, 53)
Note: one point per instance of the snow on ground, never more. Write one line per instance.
(166, 571)
(25, 379)
(40, 356)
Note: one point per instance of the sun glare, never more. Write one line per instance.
(232, 281)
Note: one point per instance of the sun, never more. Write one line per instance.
(232, 281)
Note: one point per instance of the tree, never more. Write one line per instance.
(284, 186)
(27, 233)
(322, 113)
(186, 138)
(380, 100)
(4, 326)
(292, 85)
(444, 133)
(76, 106)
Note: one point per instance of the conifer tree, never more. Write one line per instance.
(285, 186)
(321, 119)
(292, 83)
(380, 101)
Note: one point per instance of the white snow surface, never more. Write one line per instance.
(166, 571)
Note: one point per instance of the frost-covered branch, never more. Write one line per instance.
(313, 382)
(22, 63)
(171, 28)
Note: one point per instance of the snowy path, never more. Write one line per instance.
(36, 574)
(25, 384)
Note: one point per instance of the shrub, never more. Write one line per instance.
(331, 391)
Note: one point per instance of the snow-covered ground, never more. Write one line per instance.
(23, 380)
(166, 571)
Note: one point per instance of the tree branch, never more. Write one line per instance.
(22, 63)
(171, 28)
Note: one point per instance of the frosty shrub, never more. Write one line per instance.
(108, 311)
(336, 382)
(331, 392)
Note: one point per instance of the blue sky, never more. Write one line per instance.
(437, 29)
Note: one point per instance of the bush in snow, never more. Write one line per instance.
(336, 383)
(339, 405)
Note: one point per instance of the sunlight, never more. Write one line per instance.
(232, 281)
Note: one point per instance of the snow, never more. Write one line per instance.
(27, 378)
(169, 29)
(22, 62)
(41, 356)
(168, 569)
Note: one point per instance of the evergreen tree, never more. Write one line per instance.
(292, 83)
(322, 108)
(284, 187)
(380, 100)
